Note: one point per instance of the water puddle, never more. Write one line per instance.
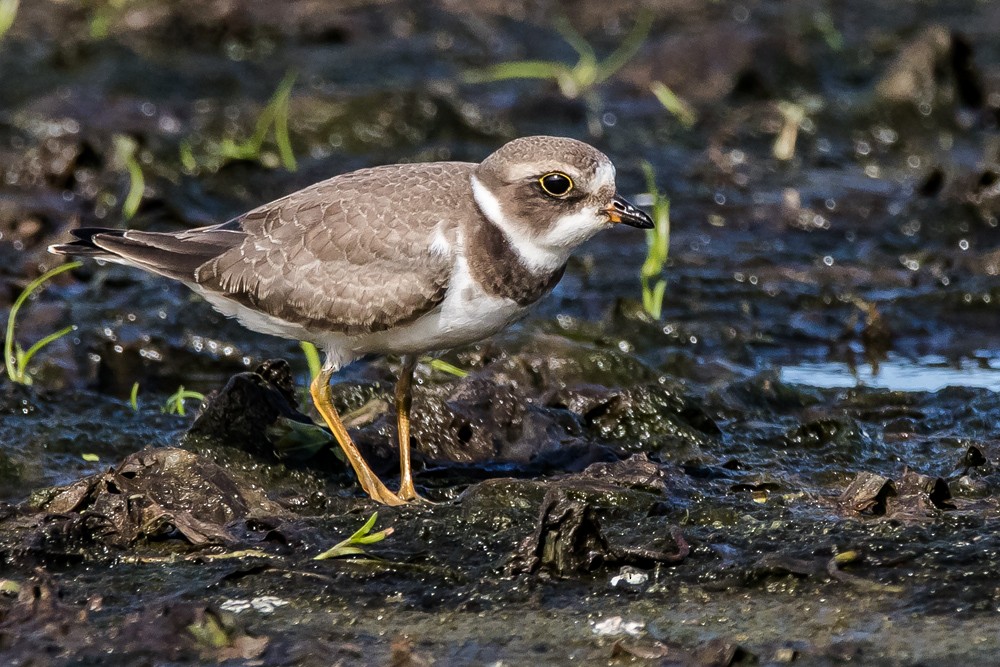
(930, 373)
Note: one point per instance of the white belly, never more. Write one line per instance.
(466, 315)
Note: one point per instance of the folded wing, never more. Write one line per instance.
(359, 253)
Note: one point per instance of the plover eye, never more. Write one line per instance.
(556, 184)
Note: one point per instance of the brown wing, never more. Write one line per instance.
(351, 254)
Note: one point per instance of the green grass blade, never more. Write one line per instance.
(574, 39)
(520, 69)
(657, 300)
(361, 536)
(8, 11)
(675, 105)
(188, 160)
(133, 397)
(175, 402)
(657, 248)
(26, 357)
(445, 367)
(650, 176)
(312, 359)
(250, 149)
(365, 528)
(10, 358)
(125, 154)
(281, 101)
(137, 186)
(626, 50)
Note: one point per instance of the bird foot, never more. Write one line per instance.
(408, 494)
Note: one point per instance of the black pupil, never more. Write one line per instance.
(556, 184)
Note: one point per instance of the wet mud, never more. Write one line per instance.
(740, 481)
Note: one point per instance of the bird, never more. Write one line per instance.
(400, 259)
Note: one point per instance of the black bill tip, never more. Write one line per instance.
(621, 211)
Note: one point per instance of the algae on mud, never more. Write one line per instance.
(821, 524)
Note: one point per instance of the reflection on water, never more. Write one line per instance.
(929, 373)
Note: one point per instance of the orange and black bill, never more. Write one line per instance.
(627, 214)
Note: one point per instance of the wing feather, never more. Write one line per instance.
(352, 254)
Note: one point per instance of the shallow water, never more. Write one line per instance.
(896, 374)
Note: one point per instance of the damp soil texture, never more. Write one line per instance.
(797, 461)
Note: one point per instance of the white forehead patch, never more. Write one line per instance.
(517, 172)
(605, 175)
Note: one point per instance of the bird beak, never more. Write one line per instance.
(620, 211)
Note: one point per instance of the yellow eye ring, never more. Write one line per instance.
(556, 184)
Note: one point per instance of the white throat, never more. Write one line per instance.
(545, 252)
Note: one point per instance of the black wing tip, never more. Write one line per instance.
(83, 242)
(87, 234)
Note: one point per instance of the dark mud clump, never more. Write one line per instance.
(797, 462)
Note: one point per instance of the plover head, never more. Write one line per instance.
(549, 195)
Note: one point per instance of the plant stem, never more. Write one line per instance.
(10, 359)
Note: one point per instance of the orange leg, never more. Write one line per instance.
(372, 485)
(404, 399)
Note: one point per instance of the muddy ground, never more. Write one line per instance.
(610, 489)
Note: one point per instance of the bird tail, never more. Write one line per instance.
(174, 255)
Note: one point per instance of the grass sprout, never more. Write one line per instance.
(8, 11)
(209, 631)
(103, 17)
(133, 397)
(312, 358)
(125, 154)
(675, 105)
(10, 587)
(273, 120)
(578, 80)
(16, 359)
(174, 404)
(444, 367)
(823, 22)
(353, 545)
(654, 286)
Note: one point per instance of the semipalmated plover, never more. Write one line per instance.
(399, 259)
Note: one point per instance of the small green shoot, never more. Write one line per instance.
(823, 22)
(133, 397)
(352, 546)
(312, 359)
(209, 631)
(444, 367)
(16, 360)
(8, 11)
(273, 116)
(579, 80)
(658, 249)
(174, 404)
(90, 458)
(103, 17)
(675, 105)
(125, 155)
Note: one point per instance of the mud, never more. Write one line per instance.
(798, 463)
